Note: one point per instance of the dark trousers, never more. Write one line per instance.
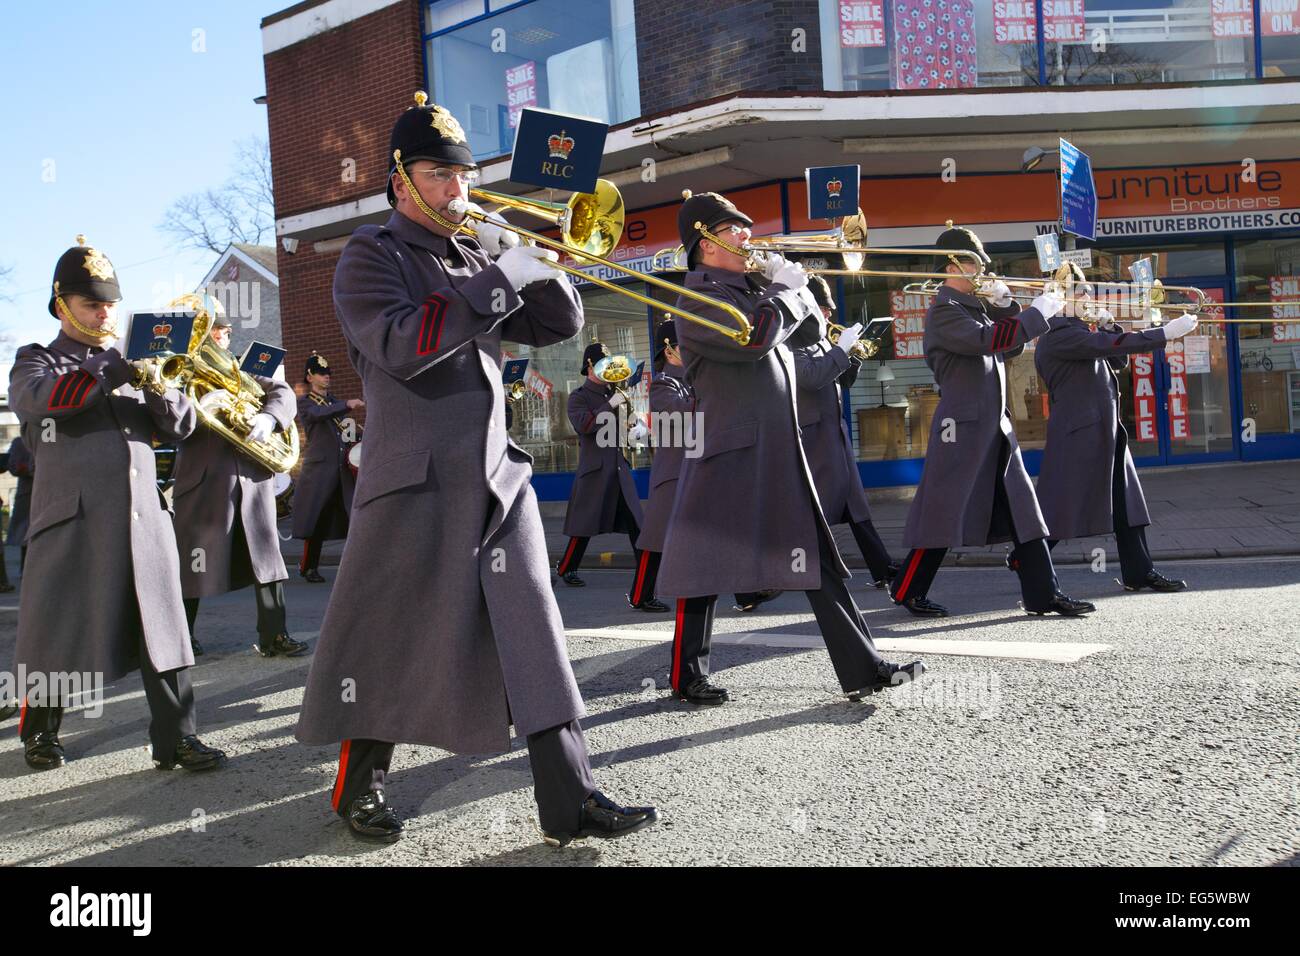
(270, 610)
(872, 548)
(848, 641)
(562, 777)
(647, 573)
(1131, 542)
(623, 521)
(171, 708)
(1031, 559)
(312, 548)
(22, 559)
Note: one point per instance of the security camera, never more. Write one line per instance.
(290, 245)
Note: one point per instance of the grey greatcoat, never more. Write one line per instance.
(966, 343)
(822, 370)
(215, 484)
(23, 467)
(324, 467)
(1084, 433)
(669, 394)
(746, 514)
(442, 625)
(602, 471)
(101, 556)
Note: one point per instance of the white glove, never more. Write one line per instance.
(491, 236)
(1177, 328)
(1104, 319)
(998, 294)
(638, 434)
(791, 275)
(617, 399)
(770, 262)
(262, 427)
(1049, 303)
(526, 264)
(849, 338)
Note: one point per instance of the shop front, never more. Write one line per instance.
(1229, 392)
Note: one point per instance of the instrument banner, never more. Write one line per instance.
(934, 43)
(557, 151)
(832, 191)
(261, 359)
(158, 334)
(513, 371)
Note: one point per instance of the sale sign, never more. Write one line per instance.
(1284, 291)
(1015, 21)
(908, 312)
(521, 89)
(1177, 391)
(862, 23)
(1236, 18)
(1142, 370)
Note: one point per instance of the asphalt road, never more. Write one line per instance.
(1169, 736)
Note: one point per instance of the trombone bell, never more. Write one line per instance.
(591, 222)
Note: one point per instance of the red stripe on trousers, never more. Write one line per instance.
(343, 773)
(564, 561)
(22, 717)
(302, 565)
(640, 577)
(677, 643)
(907, 578)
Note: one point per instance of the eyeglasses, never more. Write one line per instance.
(735, 229)
(442, 174)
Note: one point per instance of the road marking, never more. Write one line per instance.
(1056, 652)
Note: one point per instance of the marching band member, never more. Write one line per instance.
(746, 516)
(604, 498)
(974, 489)
(97, 514)
(23, 467)
(442, 629)
(1088, 484)
(225, 517)
(823, 371)
(322, 500)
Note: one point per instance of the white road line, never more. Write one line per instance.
(1055, 652)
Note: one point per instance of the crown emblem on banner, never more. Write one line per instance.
(560, 145)
(264, 357)
(833, 188)
(162, 328)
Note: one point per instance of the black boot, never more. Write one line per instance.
(371, 818)
(43, 750)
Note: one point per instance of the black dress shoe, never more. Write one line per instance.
(282, 645)
(8, 710)
(371, 818)
(192, 754)
(751, 602)
(890, 675)
(572, 580)
(602, 817)
(312, 576)
(43, 750)
(196, 648)
(924, 607)
(890, 573)
(1157, 582)
(653, 605)
(1066, 606)
(702, 692)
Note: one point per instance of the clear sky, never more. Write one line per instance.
(131, 116)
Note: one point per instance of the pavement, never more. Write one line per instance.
(1229, 509)
(1159, 731)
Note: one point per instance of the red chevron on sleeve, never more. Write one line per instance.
(435, 309)
(71, 389)
(763, 319)
(1004, 333)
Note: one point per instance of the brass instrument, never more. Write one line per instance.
(862, 350)
(515, 393)
(616, 370)
(225, 397)
(590, 226)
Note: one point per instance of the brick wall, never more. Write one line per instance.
(688, 51)
(333, 97)
(308, 320)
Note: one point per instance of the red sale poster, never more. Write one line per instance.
(1284, 291)
(862, 23)
(908, 312)
(1177, 391)
(521, 89)
(1236, 18)
(1015, 21)
(1142, 370)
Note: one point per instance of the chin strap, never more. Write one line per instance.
(424, 207)
(98, 335)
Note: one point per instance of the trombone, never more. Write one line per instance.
(590, 225)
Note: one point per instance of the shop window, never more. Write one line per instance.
(1269, 270)
(1280, 36)
(575, 56)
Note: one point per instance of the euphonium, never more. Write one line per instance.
(225, 397)
(862, 350)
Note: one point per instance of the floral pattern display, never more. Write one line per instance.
(934, 44)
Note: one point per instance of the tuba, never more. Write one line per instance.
(225, 397)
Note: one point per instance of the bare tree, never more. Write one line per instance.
(240, 210)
